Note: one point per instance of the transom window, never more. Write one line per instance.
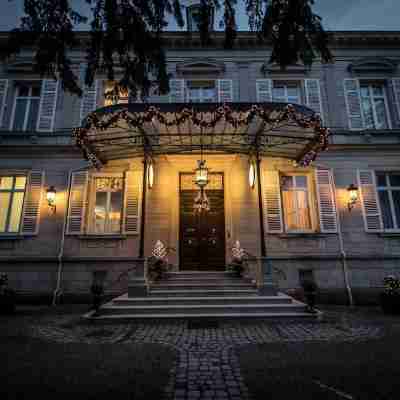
(296, 203)
(107, 205)
(374, 105)
(201, 91)
(26, 106)
(12, 193)
(286, 92)
(388, 185)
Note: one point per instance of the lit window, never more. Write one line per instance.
(286, 92)
(12, 193)
(296, 204)
(388, 185)
(201, 91)
(26, 106)
(107, 205)
(113, 94)
(373, 102)
(193, 18)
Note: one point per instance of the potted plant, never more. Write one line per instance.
(7, 296)
(237, 266)
(157, 263)
(310, 294)
(97, 290)
(390, 296)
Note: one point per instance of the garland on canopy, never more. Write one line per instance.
(135, 120)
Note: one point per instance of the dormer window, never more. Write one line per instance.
(193, 18)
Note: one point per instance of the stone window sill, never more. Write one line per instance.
(97, 237)
(390, 234)
(307, 235)
(11, 237)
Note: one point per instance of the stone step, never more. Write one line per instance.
(201, 279)
(216, 274)
(199, 286)
(202, 293)
(287, 316)
(221, 300)
(294, 307)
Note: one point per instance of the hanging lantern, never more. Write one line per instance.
(201, 174)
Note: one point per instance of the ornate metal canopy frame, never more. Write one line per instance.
(142, 129)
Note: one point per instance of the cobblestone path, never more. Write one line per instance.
(207, 366)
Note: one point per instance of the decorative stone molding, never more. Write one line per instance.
(276, 69)
(373, 64)
(200, 66)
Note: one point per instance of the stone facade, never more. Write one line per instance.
(32, 261)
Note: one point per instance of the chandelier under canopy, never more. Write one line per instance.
(201, 202)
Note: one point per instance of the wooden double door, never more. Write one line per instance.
(202, 235)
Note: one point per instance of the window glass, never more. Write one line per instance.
(377, 90)
(115, 211)
(19, 116)
(23, 90)
(301, 181)
(201, 91)
(100, 211)
(33, 115)
(20, 182)
(16, 212)
(286, 182)
(5, 205)
(381, 118)
(6, 182)
(396, 204)
(385, 208)
(394, 179)
(373, 105)
(368, 112)
(380, 178)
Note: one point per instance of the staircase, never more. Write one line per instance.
(202, 295)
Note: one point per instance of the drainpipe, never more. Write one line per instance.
(57, 291)
(343, 255)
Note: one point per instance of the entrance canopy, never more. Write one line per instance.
(143, 129)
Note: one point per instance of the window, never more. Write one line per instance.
(108, 200)
(12, 193)
(201, 91)
(286, 92)
(193, 18)
(388, 185)
(26, 106)
(296, 203)
(374, 105)
(114, 94)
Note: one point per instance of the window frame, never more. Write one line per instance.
(299, 83)
(370, 82)
(90, 219)
(388, 188)
(186, 88)
(311, 198)
(12, 191)
(16, 89)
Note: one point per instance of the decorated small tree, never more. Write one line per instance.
(238, 258)
(390, 296)
(157, 263)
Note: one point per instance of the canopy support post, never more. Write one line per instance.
(260, 208)
(143, 213)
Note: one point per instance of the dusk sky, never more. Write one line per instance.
(337, 14)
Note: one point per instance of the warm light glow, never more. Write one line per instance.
(201, 178)
(150, 175)
(51, 197)
(252, 175)
(353, 195)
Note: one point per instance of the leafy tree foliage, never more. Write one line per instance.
(126, 36)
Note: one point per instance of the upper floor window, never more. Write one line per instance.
(201, 91)
(388, 186)
(374, 105)
(108, 201)
(286, 92)
(193, 14)
(26, 106)
(12, 193)
(295, 190)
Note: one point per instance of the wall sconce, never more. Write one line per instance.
(252, 174)
(353, 196)
(51, 198)
(150, 175)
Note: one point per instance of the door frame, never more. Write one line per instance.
(222, 173)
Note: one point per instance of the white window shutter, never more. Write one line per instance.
(47, 107)
(326, 201)
(369, 201)
(89, 99)
(272, 202)
(3, 98)
(177, 91)
(313, 95)
(225, 90)
(32, 201)
(264, 90)
(77, 203)
(353, 104)
(132, 202)
(396, 93)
